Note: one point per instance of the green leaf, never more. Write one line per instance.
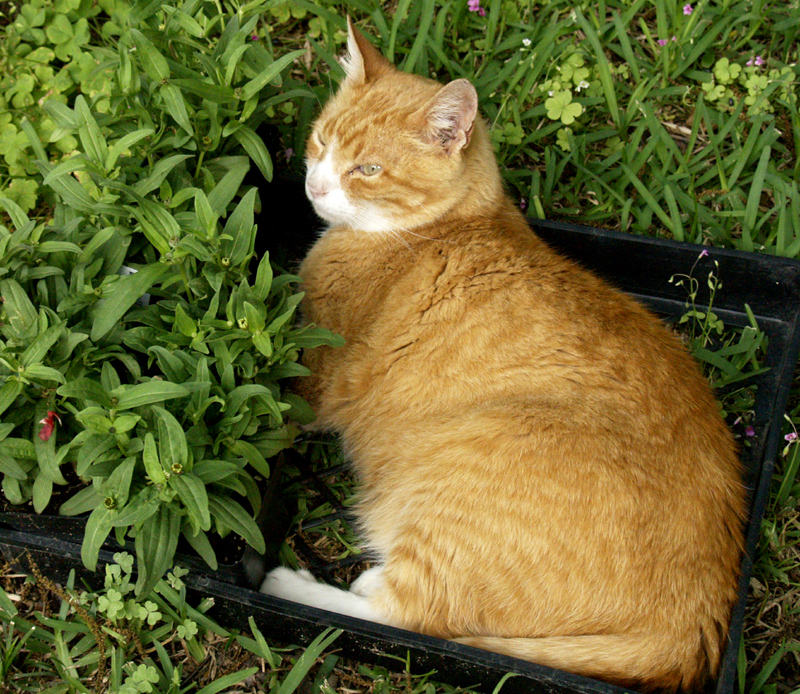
(228, 187)
(263, 344)
(156, 541)
(20, 312)
(192, 492)
(231, 515)
(160, 171)
(176, 106)
(239, 226)
(200, 544)
(40, 346)
(255, 318)
(42, 492)
(255, 85)
(94, 144)
(172, 439)
(118, 484)
(227, 681)
(138, 509)
(10, 467)
(263, 278)
(44, 373)
(210, 92)
(308, 659)
(186, 326)
(252, 455)
(127, 290)
(256, 149)
(85, 389)
(124, 144)
(17, 214)
(148, 393)
(8, 394)
(91, 449)
(98, 525)
(153, 63)
(152, 465)
(82, 501)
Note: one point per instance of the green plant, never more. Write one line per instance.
(139, 355)
(111, 641)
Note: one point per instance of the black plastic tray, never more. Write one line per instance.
(770, 286)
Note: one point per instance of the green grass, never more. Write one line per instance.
(593, 120)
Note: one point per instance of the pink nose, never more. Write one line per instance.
(317, 189)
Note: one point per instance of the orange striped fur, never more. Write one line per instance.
(544, 471)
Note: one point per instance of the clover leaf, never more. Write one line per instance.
(725, 71)
(22, 191)
(187, 630)
(561, 107)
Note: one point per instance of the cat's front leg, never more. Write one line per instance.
(300, 586)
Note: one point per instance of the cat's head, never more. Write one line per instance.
(394, 151)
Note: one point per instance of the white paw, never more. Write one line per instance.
(286, 583)
(368, 582)
(302, 587)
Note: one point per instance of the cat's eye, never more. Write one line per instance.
(370, 169)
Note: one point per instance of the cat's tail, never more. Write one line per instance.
(625, 660)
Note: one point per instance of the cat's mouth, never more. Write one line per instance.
(337, 210)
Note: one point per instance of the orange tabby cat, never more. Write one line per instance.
(544, 472)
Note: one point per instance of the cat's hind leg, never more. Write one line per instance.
(301, 586)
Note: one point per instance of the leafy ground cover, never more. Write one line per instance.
(130, 128)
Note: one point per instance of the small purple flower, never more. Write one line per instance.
(523, 204)
(687, 9)
(749, 431)
(475, 6)
(703, 253)
(288, 153)
(663, 42)
(254, 37)
(791, 436)
(757, 61)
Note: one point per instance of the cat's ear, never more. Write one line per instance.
(363, 61)
(450, 116)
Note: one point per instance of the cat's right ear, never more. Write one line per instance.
(363, 62)
(450, 116)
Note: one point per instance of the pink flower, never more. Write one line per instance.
(47, 430)
(704, 253)
(523, 204)
(749, 431)
(687, 9)
(662, 42)
(791, 436)
(481, 12)
(475, 6)
(758, 61)
(288, 153)
(49, 425)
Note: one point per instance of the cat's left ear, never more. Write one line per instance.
(363, 61)
(451, 115)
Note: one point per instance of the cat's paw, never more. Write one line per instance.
(368, 582)
(286, 583)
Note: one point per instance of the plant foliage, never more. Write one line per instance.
(139, 355)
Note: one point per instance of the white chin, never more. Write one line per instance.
(348, 216)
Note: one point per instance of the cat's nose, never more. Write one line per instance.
(316, 188)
